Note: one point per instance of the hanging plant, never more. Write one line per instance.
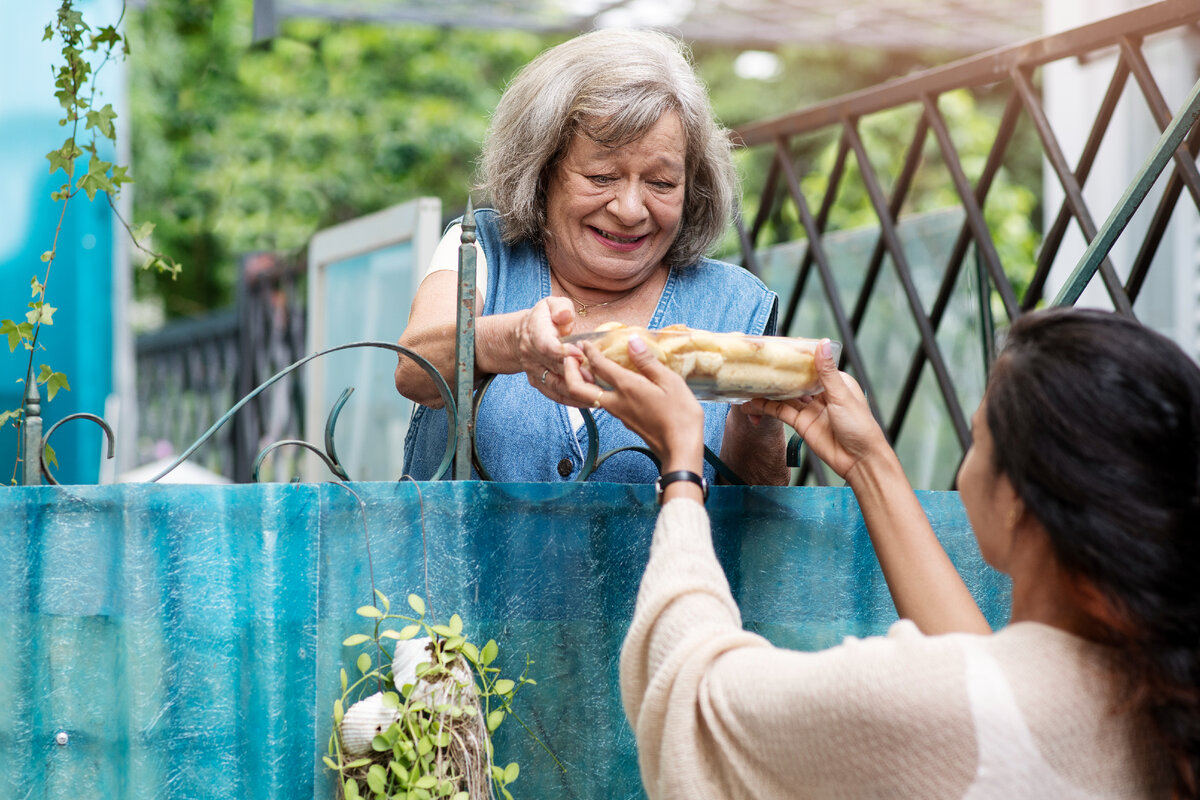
(426, 730)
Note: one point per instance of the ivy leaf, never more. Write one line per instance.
(9, 328)
(40, 312)
(5, 416)
(36, 286)
(71, 20)
(53, 380)
(96, 179)
(108, 35)
(48, 34)
(64, 157)
(142, 231)
(49, 457)
(102, 120)
(120, 176)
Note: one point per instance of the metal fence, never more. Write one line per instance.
(1011, 74)
(191, 373)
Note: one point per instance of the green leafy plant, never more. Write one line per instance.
(75, 83)
(430, 729)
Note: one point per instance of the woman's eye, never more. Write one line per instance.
(600, 178)
(665, 186)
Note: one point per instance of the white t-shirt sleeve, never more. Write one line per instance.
(445, 257)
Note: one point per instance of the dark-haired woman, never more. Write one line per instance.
(1082, 484)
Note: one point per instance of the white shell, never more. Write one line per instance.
(409, 653)
(363, 721)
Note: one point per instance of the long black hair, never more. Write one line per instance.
(1095, 420)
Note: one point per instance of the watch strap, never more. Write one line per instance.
(665, 480)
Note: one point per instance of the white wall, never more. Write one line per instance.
(1072, 91)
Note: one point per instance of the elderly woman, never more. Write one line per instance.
(610, 179)
(1082, 484)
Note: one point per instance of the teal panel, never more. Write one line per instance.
(80, 286)
(367, 298)
(187, 640)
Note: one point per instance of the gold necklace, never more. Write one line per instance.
(581, 308)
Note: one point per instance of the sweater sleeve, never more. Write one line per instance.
(720, 713)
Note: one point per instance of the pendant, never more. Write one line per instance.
(581, 311)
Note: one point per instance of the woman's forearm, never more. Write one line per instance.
(755, 451)
(437, 344)
(924, 584)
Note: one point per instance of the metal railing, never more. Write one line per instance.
(1012, 71)
(191, 372)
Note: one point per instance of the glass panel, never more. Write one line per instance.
(367, 297)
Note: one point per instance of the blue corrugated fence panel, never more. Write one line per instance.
(187, 640)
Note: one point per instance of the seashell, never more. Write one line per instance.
(363, 721)
(409, 653)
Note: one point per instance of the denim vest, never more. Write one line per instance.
(520, 434)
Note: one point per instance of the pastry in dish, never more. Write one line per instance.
(720, 366)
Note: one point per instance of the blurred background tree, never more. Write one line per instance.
(242, 147)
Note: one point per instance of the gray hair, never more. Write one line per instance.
(612, 86)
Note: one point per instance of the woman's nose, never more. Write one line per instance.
(628, 203)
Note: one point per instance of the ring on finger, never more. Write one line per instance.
(544, 374)
(596, 402)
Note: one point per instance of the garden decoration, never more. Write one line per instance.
(426, 730)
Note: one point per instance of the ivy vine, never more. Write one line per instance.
(75, 84)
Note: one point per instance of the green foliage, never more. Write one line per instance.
(257, 147)
(457, 689)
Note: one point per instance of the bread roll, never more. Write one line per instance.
(721, 366)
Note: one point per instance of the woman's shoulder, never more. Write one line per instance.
(712, 270)
(715, 295)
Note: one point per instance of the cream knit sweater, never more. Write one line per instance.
(720, 713)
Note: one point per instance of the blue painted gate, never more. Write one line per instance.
(185, 642)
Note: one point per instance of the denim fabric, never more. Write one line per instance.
(521, 435)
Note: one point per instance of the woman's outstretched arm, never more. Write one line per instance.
(838, 426)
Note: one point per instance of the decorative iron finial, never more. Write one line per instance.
(31, 432)
(468, 223)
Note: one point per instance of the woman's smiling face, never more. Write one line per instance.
(612, 213)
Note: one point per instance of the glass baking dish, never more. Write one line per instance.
(723, 367)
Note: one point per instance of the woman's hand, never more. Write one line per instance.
(530, 341)
(654, 403)
(837, 423)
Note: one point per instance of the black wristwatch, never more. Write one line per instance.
(663, 481)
